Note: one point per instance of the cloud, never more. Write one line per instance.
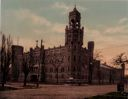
(65, 7)
(30, 26)
(0, 15)
(123, 20)
(116, 30)
(58, 28)
(22, 42)
(24, 14)
(61, 6)
(109, 36)
(120, 29)
(38, 27)
(0, 38)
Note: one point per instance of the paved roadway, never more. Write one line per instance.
(57, 92)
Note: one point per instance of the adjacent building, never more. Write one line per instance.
(17, 63)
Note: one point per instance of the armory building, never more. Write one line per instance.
(69, 62)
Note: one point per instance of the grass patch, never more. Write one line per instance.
(7, 88)
(112, 95)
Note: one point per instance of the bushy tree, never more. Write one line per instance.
(121, 60)
(5, 57)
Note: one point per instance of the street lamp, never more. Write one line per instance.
(90, 71)
(71, 79)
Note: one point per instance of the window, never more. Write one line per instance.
(72, 42)
(56, 69)
(68, 58)
(68, 68)
(56, 76)
(50, 76)
(74, 58)
(79, 58)
(62, 76)
(74, 69)
(77, 23)
(45, 69)
(75, 47)
(62, 69)
(51, 69)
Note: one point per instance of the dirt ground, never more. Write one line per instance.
(57, 92)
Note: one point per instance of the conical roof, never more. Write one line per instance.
(75, 11)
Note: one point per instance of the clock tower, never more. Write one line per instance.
(74, 42)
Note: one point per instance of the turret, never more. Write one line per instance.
(91, 48)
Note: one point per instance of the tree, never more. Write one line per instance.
(5, 57)
(97, 58)
(90, 70)
(98, 55)
(56, 61)
(121, 60)
(25, 69)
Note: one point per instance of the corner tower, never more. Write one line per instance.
(74, 42)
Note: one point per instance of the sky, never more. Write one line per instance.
(105, 22)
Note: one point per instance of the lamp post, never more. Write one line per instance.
(90, 71)
(71, 79)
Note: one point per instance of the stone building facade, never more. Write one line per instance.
(104, 74)
(17, 63)
(71, 60)
(62, 63)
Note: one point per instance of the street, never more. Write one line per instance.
(57, 92)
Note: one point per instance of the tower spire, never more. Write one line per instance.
(75, 6)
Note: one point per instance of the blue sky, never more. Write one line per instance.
(105, 22)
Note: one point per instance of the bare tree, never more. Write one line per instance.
(97, 58)
(5, 57)
(25, 69)
(56, 61)
(42, 54)
(121, 60)
(98, 55)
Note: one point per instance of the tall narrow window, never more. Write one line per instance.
(62, 76)
(74, 58)
(79, 59)
(62, 69)
(51, 69)
(68, 58)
